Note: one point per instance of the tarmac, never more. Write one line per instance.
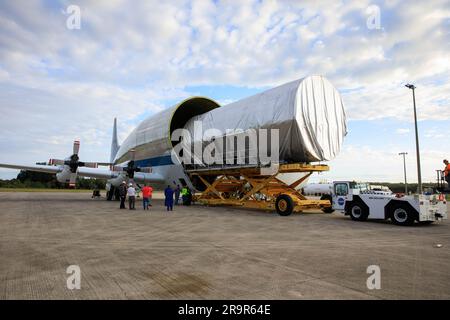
(200, 252)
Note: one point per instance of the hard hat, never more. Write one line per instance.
(130, 184)
(124, 182)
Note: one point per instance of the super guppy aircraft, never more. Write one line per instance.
(308, 113)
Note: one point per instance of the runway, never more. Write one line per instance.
(209, 253)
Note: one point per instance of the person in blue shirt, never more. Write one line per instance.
(168, 193)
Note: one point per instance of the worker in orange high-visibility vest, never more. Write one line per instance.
(447, 173)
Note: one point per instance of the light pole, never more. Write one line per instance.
(419, 175)
(404, 169)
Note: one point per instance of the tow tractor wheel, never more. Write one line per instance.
(284, 205)
(357, 212)
(327, 209)
(402, 215)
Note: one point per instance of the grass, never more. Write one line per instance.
(41, 190)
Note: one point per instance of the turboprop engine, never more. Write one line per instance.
(71, 164)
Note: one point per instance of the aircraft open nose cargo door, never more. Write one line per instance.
(152, 137)
(188, 109)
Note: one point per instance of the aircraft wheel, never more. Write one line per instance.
(284, 205)
(116, 194)
(110, 194)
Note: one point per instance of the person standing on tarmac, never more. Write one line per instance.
(184, 194)
(188, 197)
(123, 194)
(131, 192)
(177, 194)
(146, 195)
(168, 202)
(447, 173)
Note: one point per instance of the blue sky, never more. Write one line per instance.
(132, 59)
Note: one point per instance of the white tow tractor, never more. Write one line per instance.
(361, 203)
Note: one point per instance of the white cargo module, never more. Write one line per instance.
(309, 114)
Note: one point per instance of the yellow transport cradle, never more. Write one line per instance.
(248, 188)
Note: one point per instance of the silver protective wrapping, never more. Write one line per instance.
(308, 113)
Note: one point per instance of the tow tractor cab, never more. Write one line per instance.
(361, 203)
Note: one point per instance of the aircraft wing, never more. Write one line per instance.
(34, 167)
(82, 171)
(140, 177)
(87, 172)
(97, 173)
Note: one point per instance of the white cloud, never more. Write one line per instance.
(130, 60)
(434, 134)
(364, 163)
(402, 131)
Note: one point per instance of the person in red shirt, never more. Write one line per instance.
(446, 172)
(146, 196)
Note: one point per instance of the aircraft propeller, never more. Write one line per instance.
(73, 162)
(131, 168)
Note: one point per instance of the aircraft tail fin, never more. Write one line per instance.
(114, 142)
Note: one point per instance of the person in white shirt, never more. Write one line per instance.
(131, 192)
